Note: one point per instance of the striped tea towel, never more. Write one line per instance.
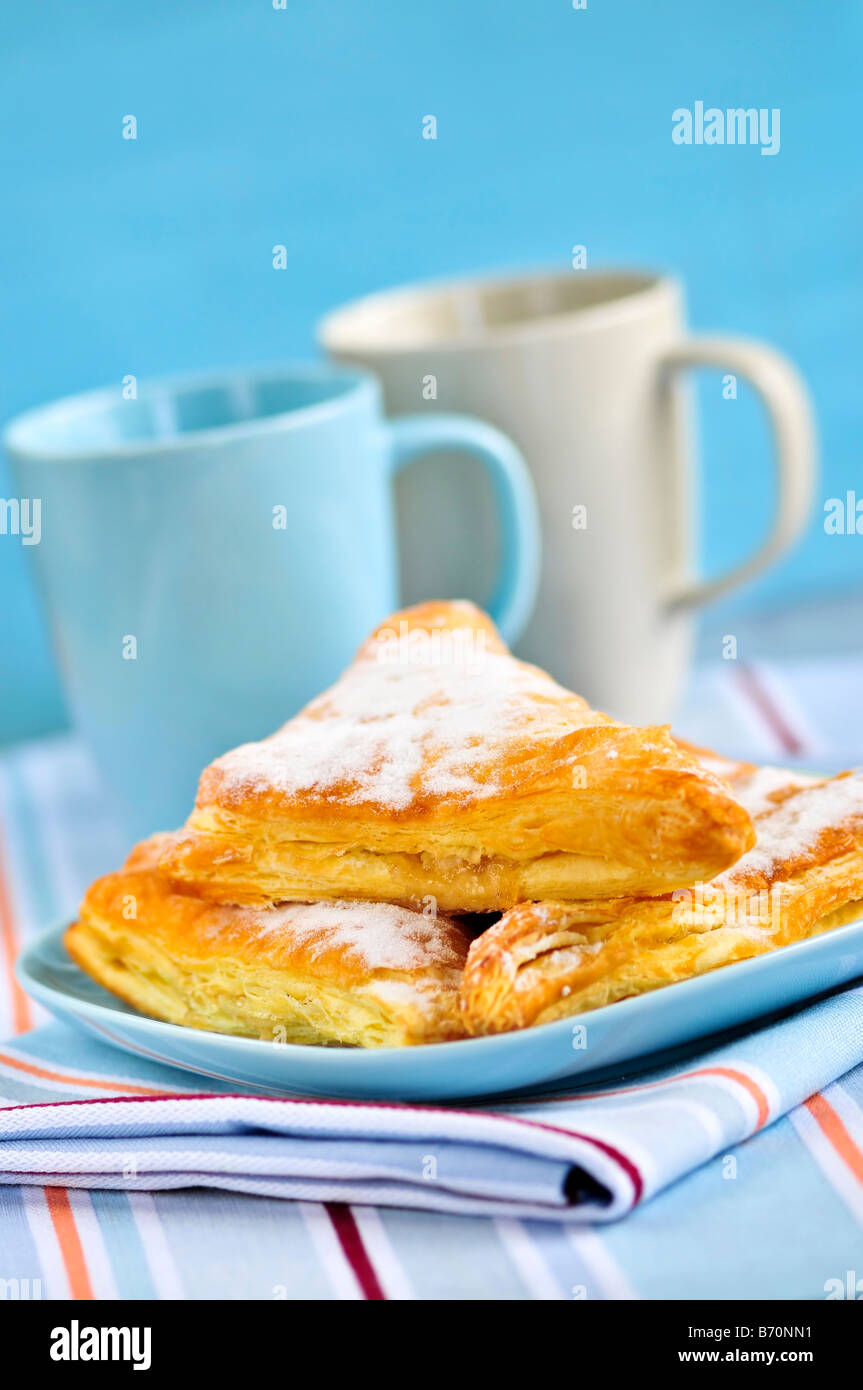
(586, 1157)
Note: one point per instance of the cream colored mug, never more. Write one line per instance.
(586, 372)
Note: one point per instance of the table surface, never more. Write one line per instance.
(783, 1228)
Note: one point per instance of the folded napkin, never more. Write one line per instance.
(122, 1122)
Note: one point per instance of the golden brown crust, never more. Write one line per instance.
(731, 770)
(362, 974)
(440, 765)
(549, 960)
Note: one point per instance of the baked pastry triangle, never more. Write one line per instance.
(548, 960)
(440, 766)
(731, 770)
(361, 974)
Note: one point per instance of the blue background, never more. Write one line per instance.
(303, 127)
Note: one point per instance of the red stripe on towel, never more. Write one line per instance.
(351, 1241)
(788, 740)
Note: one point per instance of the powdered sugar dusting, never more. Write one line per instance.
(392, 731)
(755, 792)
(796, 824)
(377, 936)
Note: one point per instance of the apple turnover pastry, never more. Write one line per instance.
(439, 765)
(548, 960)
(355, 973)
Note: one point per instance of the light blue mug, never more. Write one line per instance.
(213, 551)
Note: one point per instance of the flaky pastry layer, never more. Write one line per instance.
(357, 974)
(548, 960)
(441, 766)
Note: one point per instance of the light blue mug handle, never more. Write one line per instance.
(515, 592)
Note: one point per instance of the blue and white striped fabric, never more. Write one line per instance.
(584, 1158)
(777, 1214)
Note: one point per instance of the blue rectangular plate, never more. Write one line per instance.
(608, 1041)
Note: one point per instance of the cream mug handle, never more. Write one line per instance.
(786, 400)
